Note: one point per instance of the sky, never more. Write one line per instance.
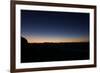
(52, 26)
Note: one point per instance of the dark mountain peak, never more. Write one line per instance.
(23, 40)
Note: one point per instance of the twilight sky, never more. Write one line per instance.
(49, 26)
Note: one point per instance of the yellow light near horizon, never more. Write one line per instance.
(55, 39)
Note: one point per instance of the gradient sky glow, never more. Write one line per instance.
(49, 26)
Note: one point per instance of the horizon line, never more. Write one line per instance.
(56, 42)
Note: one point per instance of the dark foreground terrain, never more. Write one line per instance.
(43, 52)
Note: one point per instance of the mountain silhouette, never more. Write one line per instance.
(23, 41)
(44, 52)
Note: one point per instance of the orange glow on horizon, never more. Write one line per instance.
(55, 39)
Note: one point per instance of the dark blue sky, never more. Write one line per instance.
(54, 24)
